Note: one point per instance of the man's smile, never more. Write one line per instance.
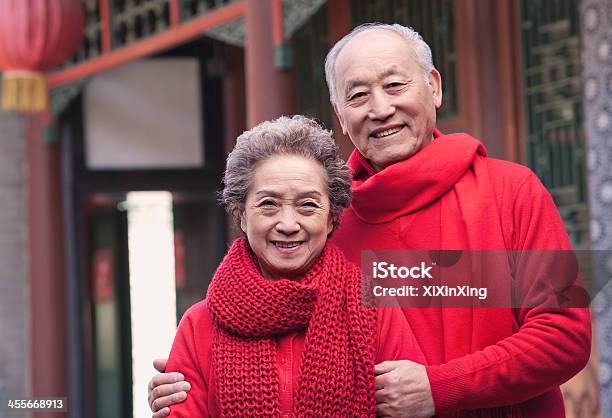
(287, 244)
(383, 132)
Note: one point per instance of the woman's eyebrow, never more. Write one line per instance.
(311, 193)
(268, 193)
(272, 193)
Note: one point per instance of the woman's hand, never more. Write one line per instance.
(166, 389)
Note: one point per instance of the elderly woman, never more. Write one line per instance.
(282, 331)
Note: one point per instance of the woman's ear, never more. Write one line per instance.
(243, 224)
(330, 225)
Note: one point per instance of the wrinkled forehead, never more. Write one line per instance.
(373, 55)
(360, 78)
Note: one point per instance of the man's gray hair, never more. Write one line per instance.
(420, 47)
(296, 135)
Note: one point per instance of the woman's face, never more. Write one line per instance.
(286, 217)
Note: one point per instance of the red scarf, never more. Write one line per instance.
(337, 371)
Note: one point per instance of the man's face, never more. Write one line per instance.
(386, 103)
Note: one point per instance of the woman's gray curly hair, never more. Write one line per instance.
(296, 135)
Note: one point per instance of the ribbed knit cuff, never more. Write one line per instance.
(448, 387)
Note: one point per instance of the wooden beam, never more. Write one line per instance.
(157, 43)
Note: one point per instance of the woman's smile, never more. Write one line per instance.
(287, 247)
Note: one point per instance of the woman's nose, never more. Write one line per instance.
(288, 221)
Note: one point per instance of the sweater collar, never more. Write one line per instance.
(422, 178)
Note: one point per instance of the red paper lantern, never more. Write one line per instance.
(35, 36)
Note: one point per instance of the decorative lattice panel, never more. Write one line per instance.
(135, 19)
(92, 38)
(553, 106)
(296, 13)
(195, 8)
(434, 20)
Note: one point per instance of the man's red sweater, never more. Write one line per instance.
(450, 196)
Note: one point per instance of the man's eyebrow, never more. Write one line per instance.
(352, 83)
(356, 82)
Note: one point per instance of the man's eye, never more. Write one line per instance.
(395, 84)
(357, 95)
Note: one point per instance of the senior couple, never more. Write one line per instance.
(282, 330)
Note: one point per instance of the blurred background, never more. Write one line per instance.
(118, 116)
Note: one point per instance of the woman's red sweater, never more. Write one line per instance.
(191, 355)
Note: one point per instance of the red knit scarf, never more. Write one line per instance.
(337, 369)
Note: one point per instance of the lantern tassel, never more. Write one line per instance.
(24, 91)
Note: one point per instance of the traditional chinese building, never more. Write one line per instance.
(152, 102)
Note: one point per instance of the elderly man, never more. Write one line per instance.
(417, 189)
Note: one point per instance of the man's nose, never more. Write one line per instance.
(288, 220)
(381, 106)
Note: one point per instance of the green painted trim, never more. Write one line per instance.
(283, 57)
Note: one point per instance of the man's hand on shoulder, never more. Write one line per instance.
(165, 389)
(402, 390)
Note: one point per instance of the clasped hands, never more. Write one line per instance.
(402, 390)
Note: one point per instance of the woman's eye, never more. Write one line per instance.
(309, 206)
(357, 95)
(266, 203)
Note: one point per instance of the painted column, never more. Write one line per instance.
(234, 109)
(596, 17)
(46, 256)
(270, 92)
(234, 112)
(339, 24)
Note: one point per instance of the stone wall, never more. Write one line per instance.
(596, 21)
(14, 282)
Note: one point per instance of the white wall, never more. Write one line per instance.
(144, 115)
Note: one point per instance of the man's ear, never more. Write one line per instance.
(435, 81)
(340, 119)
